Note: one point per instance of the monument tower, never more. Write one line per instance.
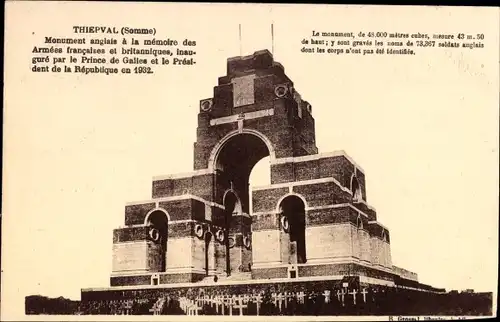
(312, 220)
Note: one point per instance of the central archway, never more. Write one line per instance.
(233, 161)
(218, 147)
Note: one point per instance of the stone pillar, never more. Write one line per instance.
(186, 250)
(285, 247)
(179, 254)
(328, 243)
(356, 242)
(154, 254)
(375, 250)
(266, 241)
(235, 252)
(364, 239)
(388, 255)
(210, 253)
(292, 258)
(134, 251)
(130, 257)
(239, 254)
(219, 252)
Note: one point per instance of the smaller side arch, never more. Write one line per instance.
(154, 210)
(356, 192)
(359, 222)
(292, 213)
(278, 210)
(354, 180)
(230, 191)
(237, 206)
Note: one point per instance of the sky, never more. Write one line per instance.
(77, 148)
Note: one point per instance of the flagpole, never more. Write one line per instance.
(272, 38)
(241, 51)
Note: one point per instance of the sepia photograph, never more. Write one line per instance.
(241, 160)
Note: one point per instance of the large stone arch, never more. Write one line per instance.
(218, 147)
(232, 161)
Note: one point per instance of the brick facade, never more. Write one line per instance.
(255, 112)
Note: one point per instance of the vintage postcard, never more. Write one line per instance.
(196, 161)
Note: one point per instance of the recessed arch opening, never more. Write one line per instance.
(234, 161)
(359, 222)
(356, 189)
(232, 202)
(157, 222)
(292, 208)
(214, 155)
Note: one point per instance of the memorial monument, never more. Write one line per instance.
(311, 224)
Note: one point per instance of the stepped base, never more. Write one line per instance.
(331, 295)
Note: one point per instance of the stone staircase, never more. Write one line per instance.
(236, 276)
